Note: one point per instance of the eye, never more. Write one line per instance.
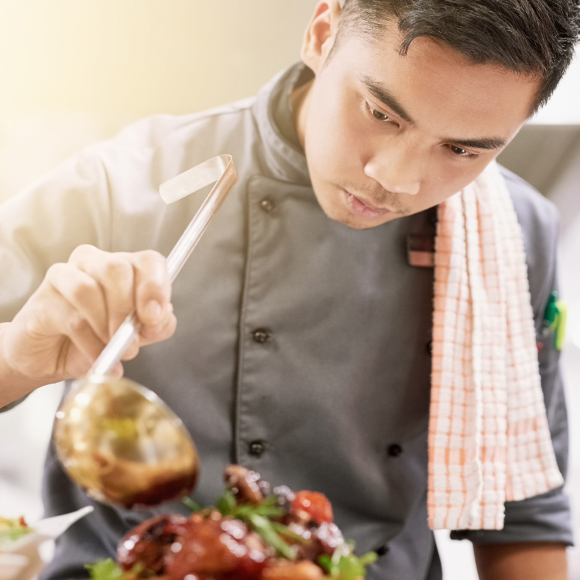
(380, 116)
(460, 152)
(370, 109)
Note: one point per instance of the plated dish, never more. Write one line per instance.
(12, 530)
(252, 533)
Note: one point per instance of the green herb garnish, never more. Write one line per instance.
(14, 533)
(110, 570)
(264, 528)
(191, 504)
(105, 570)
(344, 565)
(227, 505)
(13, 529)
(258, 519)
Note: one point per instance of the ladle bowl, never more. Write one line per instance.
(123, 445)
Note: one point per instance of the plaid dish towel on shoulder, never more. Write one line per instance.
(489, 440)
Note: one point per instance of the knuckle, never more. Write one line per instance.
(82, 251)
(77, 324)
(152, 263)
(57, 271)
(84, 291)
(118, 268)
(34, 323)
(151, 256)
(148, 288)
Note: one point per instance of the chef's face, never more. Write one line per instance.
(387, 135)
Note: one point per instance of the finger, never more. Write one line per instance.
(80, 333)
(157, 333)
(114, 273)
(83, 293)
(57, 317)
(152, 287)
(72, 363)
(117, 371)
(132, 351)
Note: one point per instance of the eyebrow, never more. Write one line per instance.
(485, 143)
(380, 92)
(383, 94)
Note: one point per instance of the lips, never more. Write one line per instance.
(363, 209)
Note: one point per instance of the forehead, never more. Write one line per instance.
(434, 81)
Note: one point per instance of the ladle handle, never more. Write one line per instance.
(184, 184)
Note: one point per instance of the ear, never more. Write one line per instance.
(320, 34)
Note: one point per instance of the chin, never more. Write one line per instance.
(337, 211)
(355, 223)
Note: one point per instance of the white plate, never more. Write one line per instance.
(20, 560)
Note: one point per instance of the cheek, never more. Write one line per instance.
(331, 138)
(449, 178)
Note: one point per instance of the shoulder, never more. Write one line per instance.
(159, 147)
(163, 131)
(535, 212)
(540, 224)
(154, 131)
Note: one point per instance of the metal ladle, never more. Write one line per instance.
(115, 438)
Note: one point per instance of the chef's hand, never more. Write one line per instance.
(66, 323)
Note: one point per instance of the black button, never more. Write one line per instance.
(266, 205)
(261, 335)
(256, 448)
(433, 216)
(395, 450)
(382, 550)
(429, 347)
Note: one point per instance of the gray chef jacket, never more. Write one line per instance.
(303, 346)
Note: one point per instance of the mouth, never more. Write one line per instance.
(363, 208)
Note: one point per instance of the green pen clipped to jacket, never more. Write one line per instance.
(555, 319)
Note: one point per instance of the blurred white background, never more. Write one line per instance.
(76, 72)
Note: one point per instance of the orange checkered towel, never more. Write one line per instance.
(489, 440)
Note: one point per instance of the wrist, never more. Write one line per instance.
(521, 561)
(13, 383)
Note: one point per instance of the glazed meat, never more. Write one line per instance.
(213, 547)
(318, 540)
(246, 485)
(289, 571)
(218, 548)
(147, 544)
(251, 534)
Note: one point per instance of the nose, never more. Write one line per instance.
(396, 169)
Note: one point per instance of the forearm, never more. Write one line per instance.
(521, 561)
(13, 385)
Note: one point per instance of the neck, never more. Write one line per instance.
(300, 101)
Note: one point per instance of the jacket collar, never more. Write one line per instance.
(284, 161)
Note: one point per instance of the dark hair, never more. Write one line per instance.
(530, 37)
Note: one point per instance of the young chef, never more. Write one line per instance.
(303, 348)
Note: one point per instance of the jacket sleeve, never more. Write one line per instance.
(546, 517)
(45, 223)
